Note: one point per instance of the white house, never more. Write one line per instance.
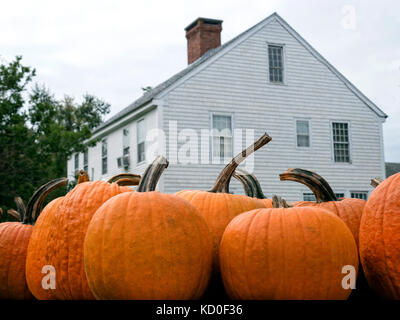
(267, 79)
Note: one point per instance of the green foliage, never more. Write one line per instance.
(38, 135)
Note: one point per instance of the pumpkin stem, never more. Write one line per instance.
(35, 203)
(279, 202)
(15, 214)
(21, 209)
(318, 185)
(221, 185)
(83, 176)
(152, 174)
(251, 186)
(375, 182)
(125, 179)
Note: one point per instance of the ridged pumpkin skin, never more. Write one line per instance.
(66, 233)
(38, 255)
(349, 210)
(380, 238)
(218, 209)
(295, 253)
(14, 239)
(266, 202)
(148, 245)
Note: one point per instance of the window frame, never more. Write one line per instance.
(283, 46)
(138, 161)
(332, 142)
(358, 191)
(103, 172)
(76, 160)
(308, 193)
(223, 114)
(126, 142)
(309, 133)
(86, 160)
(344, 192)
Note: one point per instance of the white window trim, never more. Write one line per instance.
(345, 193)
(359, 191)
(309, 133)
(137, 141)
(226, 114)
(75, 168)
(102, 157)
(87, 152)
(350, 143)
(128, 139)
(304, 192)
(284, 82)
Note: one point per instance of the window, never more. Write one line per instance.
(339, 195)
(125, 142)
(85, 161)
(76, 163)
(341, 144)
(141, 136)
(275, 57)
(308, 197)
(221, 137)
(104, 156)
(303, 133)
(359, 194)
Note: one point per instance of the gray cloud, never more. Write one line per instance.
(113, 48)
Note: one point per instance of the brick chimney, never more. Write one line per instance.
(202, 35)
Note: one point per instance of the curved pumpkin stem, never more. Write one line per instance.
(21, 209)
(125, 179)
(152, 174)
(15, 214)
(83, 176)
(221, 185)
(35, 203)
(252, 187)
(376, 182)
(279, 202)
(318, 185)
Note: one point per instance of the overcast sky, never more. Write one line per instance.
(113, 48)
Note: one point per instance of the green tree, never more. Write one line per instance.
(38, 135)
(17, 165)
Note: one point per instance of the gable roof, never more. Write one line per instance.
(153, 93)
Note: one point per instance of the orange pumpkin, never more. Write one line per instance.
(57, 239)
(286, 253)
(218, 206)
(14, 239)
(148, 245)
(348, 209)
(252, 187)
(380, 238)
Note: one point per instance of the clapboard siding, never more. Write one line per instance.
(115, 150)
(237, 83)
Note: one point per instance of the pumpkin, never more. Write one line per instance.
(148, 245)
(14, 239)
(251, 186)
(218, 206)
(286, 253)
(348, 209)
(380, 238)
(57, 239)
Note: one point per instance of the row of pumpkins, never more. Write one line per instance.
(107, 241)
